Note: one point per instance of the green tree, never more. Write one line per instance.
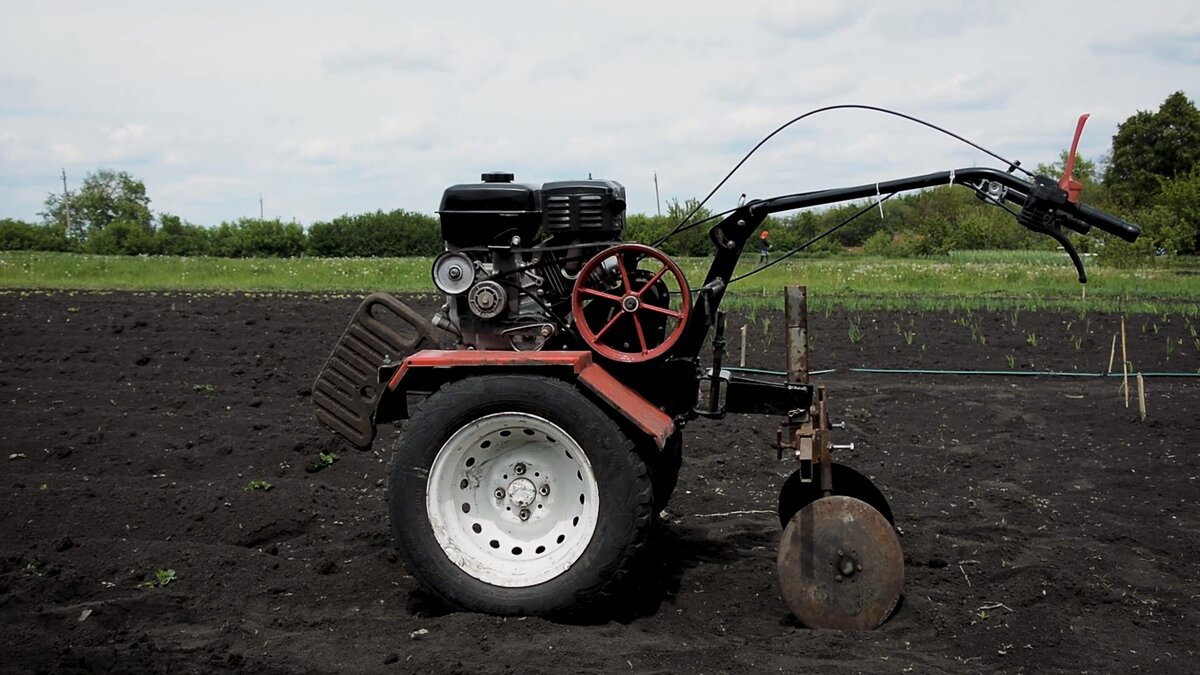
(123, 238)
(104, 197)
(1150, 147)
(1086, 171)
(177, 237)
(694, 240)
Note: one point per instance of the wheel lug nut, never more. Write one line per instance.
(524, 514)
(545, 490)
(520, 469)
(499, 493)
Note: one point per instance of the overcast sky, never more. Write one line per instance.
(330, 108)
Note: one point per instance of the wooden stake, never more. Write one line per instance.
(1124, 365)
(742, 360)
(1141, 397)
(1112, 354)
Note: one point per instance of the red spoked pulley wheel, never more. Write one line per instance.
(632, 290)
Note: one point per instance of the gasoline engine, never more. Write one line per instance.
(514, 253)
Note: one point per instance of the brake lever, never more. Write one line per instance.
(1041, 214)
(1056, 234)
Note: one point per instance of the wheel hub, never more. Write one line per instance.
(630, 303)
(522, 492)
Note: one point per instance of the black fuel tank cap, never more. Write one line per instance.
(497, 177)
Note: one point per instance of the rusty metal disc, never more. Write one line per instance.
(840, 565)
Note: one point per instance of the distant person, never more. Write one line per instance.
(764, 247)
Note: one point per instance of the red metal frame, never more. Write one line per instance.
(641, 413)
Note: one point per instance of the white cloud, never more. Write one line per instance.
(807, 19)
(66, 153)
(334, 109)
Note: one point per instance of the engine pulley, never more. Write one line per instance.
(453, 273)
(487, 299)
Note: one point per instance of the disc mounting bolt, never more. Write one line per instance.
(500, 493)
(524, 514)
(545, 490)
(520, 469)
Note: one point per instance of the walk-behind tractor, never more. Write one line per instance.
(538, 448)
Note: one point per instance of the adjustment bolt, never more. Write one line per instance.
(545, 490)
(499, 493)
(837, 425)
(455, 272)
(520, 469)
(847, 446)
(524, 514)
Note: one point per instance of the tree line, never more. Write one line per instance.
(1151, 177)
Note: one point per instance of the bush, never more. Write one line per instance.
(179, 238)
(901, 245)
(254, 238)
(16, 235)
(391, 234)
(122, 238)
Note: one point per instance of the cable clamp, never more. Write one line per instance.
(879, 200)
(951, 177)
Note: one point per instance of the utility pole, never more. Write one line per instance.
(656, 200)
(66, 202)
(260, 207)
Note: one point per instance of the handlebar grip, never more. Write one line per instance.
(1109, 223)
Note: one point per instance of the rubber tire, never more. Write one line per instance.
(664, 469)
(626, 496)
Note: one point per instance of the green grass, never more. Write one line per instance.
(1007, 280)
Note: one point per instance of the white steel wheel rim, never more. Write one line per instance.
(512, 499)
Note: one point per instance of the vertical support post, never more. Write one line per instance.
(66, 202)
(1141, 397)
(796, 318)
(714, 385)
(742, 360)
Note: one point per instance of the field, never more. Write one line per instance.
(1045, 527)
(993, 280)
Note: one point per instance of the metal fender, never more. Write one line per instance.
(430, 368)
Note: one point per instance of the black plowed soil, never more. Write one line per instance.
(1044, 526)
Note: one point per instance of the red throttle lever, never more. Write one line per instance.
(1068, 183)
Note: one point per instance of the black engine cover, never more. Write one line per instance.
(496, 210)
(587, 207)
(491, 212)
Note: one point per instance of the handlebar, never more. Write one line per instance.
(1045, 208)
(1106, 222)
